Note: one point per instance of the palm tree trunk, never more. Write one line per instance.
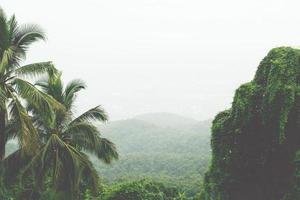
(2, 134)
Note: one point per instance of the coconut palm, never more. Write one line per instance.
(15, 40)
(65, 141)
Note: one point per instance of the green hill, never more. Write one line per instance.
(167, 120)
(162, 146)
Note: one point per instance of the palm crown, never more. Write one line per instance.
(54, 140)
(65, 139)
(14, 43)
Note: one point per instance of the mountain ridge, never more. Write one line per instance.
(170, 152)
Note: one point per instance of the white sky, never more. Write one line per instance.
(138, 56)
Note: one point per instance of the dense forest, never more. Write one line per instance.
(37, 110)
(164, 147)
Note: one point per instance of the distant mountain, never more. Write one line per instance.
(167, 120)
(161, 146)
(148, 133)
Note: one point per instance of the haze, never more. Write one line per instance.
(139, 56)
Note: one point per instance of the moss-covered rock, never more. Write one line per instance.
(255, 142)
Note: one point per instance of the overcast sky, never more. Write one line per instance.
(138, 56)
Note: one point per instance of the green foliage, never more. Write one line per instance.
(5, 194)
(175, 153)
(15, 40)
(255, 141)
(65, 140)
(141, 190)
(60, 168)
(16, 92)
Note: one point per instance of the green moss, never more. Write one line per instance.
(280, 74)
(258, 133)
(244, 102)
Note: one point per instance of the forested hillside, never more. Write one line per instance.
(165, 147)
(256, 142)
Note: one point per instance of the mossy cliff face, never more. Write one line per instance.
(255, 143)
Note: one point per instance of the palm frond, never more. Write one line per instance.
(90, 174)
(70, 92)
(41, 100)
(106, 150)
(33, 167)
(7, 57)
(95, 114)
(55, 87)
(86, 136)
(43, 84)
(35, 69)
(13, 26)
(3, 98)
(12, 129)
(66, 162)
(28, 134)
(27, 34)
(4, 31)
(81, 128)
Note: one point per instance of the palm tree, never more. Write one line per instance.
(65, 140)
(14, 89)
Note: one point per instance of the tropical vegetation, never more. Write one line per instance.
(141, 190)
(255, 143)
(15, 40)
(162, 147)
(53, 143)
(54, 153)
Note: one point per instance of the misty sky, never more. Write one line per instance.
(138, 56)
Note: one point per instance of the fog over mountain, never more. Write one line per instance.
(141, 56)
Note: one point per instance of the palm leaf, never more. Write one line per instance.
(4, 32)
(70, 92)
(43, 84)
(96, 113)
(3, 98)
(90, 174)
(12, 129)
(35, 69)
(27, 34)
(41, 100)
(86, 136)
(55, 87)
(28, 133)
(106, 150)
(7, 57)
(13, 26)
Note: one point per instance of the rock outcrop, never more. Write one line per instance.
(255, 142)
